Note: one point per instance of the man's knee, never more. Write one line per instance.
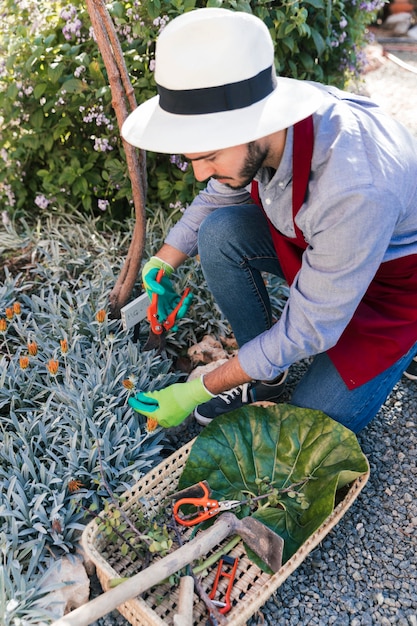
(219, 230)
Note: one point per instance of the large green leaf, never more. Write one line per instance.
(284, 445)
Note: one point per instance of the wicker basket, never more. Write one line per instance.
(252, 587)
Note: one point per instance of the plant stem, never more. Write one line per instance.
(116, 504)
(217, 555)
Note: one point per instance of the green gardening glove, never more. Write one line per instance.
(168, 297)
(170, 406)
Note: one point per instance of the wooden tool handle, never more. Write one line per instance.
(152, 575)
(184, 617)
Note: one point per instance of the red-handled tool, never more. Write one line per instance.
(227, 569)
(204, 506)
(158, 326)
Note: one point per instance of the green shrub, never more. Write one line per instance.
(59, 139)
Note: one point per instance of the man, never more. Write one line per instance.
(305, 182)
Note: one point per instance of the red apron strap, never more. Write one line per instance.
(290, 250)
(301, 167)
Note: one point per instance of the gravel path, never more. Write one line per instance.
(365, 570)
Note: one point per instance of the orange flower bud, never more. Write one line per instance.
(24, 362)
(101, 316)
(17, 308)
(74, 485)
(9, 313)
(53, 366)
(64, 346)
(151, 424)
(32, 348)
(128, 384)
(3, 325)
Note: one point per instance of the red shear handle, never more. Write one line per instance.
(225, 572)
(158, 327)
(171, 319)
(205, 508)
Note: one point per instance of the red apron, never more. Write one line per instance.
(384, 325)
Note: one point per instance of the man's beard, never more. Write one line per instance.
(253, 162)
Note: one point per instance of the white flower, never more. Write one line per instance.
(11, 605)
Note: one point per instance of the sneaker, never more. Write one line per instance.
(411, 371)
(237, 397)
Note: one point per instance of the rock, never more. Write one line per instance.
(204, 369)
(374, 57)
(398, 24)
(75, 590)
(208, 350)
(412, 33)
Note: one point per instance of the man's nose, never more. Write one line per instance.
(203, 170)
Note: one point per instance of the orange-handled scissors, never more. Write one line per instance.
(157, 326)
(205, 507)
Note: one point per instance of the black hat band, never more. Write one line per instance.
(220, 98)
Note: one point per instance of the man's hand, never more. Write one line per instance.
(167, 296)
(170, 406)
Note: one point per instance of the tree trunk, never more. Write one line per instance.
(123, 99)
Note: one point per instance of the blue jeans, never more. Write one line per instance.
(235, 247)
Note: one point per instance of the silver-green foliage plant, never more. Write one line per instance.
(23, 592)
(66, 371)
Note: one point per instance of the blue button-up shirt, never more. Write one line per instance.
(360, 210)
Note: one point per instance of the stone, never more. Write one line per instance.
(398, 24)
(75, 590)
(208, 350)
(204, 369)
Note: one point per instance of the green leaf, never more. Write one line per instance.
(317, 4)
(96, 73)
(37, 118)
(117, 9)
(73, 85)
(287, 444)
(318, 41)
(154, 8)
(80, 186)
(12, 91)
(39, 91)
(55, 71)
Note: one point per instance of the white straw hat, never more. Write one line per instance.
(217, 86)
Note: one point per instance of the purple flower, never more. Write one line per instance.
(176, 160)
(41, 201)
(101, 144)
(103, 205)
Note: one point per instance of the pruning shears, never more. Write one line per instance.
(157, 326)
(226, 569)
(205, 507)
